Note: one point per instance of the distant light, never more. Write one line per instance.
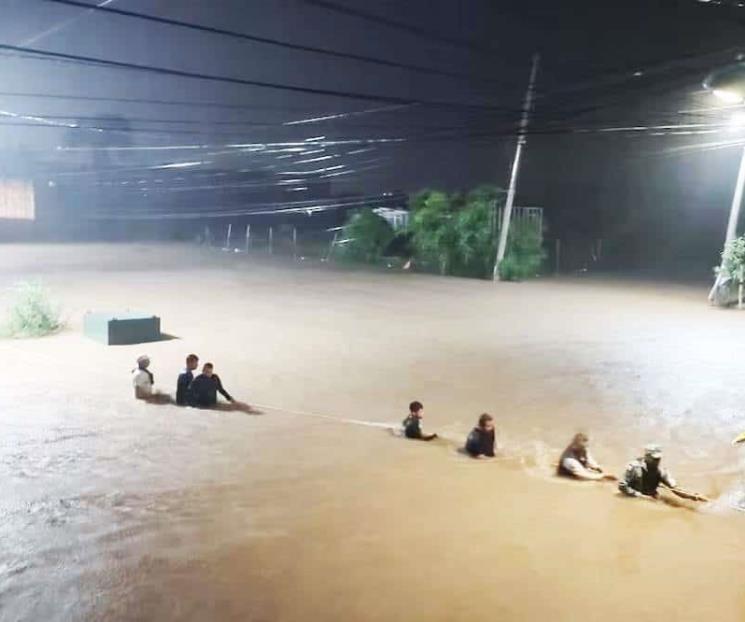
(178, 165)
(311, 160)
(638, 74)
(313, 172)
(310, 140)
(737, 121)
(729, 97)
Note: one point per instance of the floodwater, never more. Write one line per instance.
(117, 510)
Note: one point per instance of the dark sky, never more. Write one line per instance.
(603, 65)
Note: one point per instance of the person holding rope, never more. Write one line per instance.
(644, 476)
(480, 442)
(203, 390)
(413, 423)
(577, 463)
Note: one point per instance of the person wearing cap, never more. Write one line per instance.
(577, 462)
(644, 476)
(143, 379)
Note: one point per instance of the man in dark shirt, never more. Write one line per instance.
(412, 423)
(480, 441)
(184, 380)
(205, 387)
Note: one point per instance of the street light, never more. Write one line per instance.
(728, 85)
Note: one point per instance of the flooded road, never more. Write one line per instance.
(115, 510)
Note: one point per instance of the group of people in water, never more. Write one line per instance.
(643, 477)
(198, 391)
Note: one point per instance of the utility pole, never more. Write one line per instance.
(521, 140)
(734, 217)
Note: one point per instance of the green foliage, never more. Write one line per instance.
(451, 233)
(32, 314)
(435, 237)
(477, 232)
(458, 233)
(733, 259)
(368, 236)
(524, 255)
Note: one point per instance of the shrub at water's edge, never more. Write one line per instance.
(525, 255)
(32, 313)
(366, 236)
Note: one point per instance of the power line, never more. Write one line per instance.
(409, 28)
(77, 119)
(45, 54)
(271, 41)
(256, 209)
(63, 24)
(159, 102)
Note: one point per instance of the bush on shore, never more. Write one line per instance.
(32, 312)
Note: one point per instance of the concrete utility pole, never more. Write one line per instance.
(734, 217)
(521, 140)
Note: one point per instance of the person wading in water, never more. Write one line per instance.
(480, 442)
(644, 476)
(412, 423)
(576, 461)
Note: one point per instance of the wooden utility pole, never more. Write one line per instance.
(521, 140)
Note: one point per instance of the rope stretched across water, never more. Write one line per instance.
(302, 413)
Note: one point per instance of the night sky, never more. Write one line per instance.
(434, 102)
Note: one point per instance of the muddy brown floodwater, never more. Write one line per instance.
(116, 510)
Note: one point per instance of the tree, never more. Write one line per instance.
(434, 233)
(367, 236)
(476, 229)
(525, 253)
(457, 232)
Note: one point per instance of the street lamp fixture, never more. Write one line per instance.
(728, 85)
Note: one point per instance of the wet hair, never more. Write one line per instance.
(580, 437)
(192, 357)
(210, 365)
(484, 419)
(415, 407)
(576, 439)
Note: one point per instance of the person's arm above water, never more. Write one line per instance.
(413, 430)
(670, 483)
(597, 469)
(221, 390)
(592, 464)
(575, 467)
